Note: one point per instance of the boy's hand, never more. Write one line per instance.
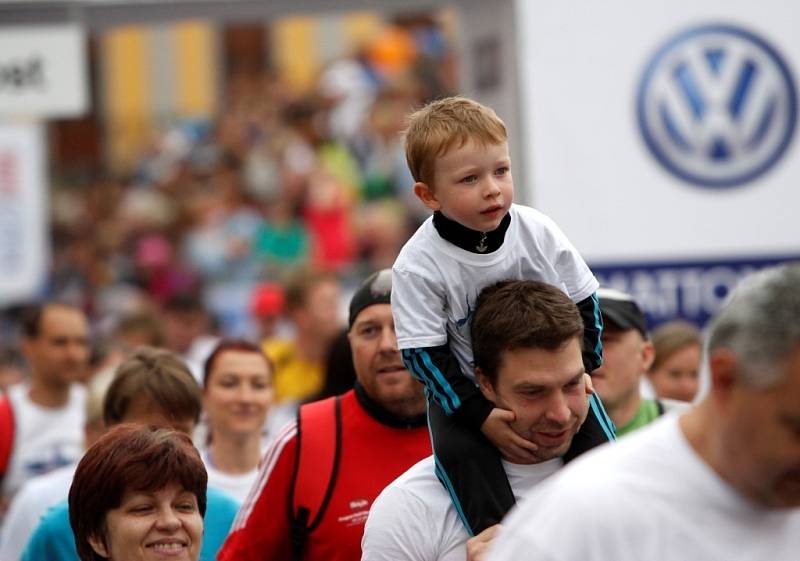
(479, 545)
(589, 385)
(497, 428)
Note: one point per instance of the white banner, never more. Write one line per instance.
(23, 224)
(664, 129)
(43, 72)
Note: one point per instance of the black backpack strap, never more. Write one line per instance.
(660, 407)
(300, 505)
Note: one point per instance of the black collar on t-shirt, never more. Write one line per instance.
(468, 239)
(377, 412)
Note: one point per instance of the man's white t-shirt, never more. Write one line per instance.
(44, 438)
(435, 283)
(650, 497)
(413, 519)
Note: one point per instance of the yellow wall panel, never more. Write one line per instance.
(195, 69)
(126, 92)
(296, 57)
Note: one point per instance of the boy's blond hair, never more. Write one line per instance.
(440, 125)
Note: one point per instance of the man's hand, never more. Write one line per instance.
(479, 545)
(514, 448)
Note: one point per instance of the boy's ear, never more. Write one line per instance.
(425, 194)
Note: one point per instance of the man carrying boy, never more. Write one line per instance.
(527, 345)
(458, 154)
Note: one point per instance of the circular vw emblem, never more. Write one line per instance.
(717, 106)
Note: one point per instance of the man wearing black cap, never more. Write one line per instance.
(627, 355)
(319, 479)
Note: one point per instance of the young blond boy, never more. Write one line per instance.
(457, 152)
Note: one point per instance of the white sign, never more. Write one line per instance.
(42, 72)
(665, 130)
(23, 227)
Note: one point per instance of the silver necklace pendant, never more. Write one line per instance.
(481, 247)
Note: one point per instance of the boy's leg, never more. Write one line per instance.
(469, 467)
(596, 430)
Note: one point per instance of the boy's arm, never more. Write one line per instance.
(457, 395)
(592, 331)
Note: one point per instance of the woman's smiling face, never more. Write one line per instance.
(163, 525)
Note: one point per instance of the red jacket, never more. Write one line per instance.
(372, 456)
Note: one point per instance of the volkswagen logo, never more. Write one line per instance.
(717, 106)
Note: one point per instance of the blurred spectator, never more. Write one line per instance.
(188, 331)
(151, 387)
(627, 354)
(312, 303)
(237, 394)
(268, 306)
(675, 371)
(40, 493)
(49, 407)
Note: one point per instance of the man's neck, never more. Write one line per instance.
(411, 417)
(44, 394)
(700, 426)
(625, 409)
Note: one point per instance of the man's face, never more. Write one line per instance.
(379, 368)
(626, 356)
(761, 439)
(60, 352)
(547, 393)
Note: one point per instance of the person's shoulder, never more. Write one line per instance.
(419, 484)
(53, 485)
(219, 499)
(673, 405)
(56, 519)
(418, 244)
(613, 467)
(529, 218)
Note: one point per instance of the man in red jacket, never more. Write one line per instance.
(320, 477)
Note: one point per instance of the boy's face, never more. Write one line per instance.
(473, 185)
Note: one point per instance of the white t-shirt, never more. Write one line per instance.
(650, 497)
(413, 519)
(435, 283)
(29, 505)
(237, 486)
(44, 438)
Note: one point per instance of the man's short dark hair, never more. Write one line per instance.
(521, 314)
(31, 317)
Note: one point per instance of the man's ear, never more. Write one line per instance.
(425, 194)
(485, 385)
(98, 543)
(648, 355)
(724, 379)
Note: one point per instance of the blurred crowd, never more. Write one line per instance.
(202, 235)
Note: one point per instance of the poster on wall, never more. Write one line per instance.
(23, 237)
(663, 141)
